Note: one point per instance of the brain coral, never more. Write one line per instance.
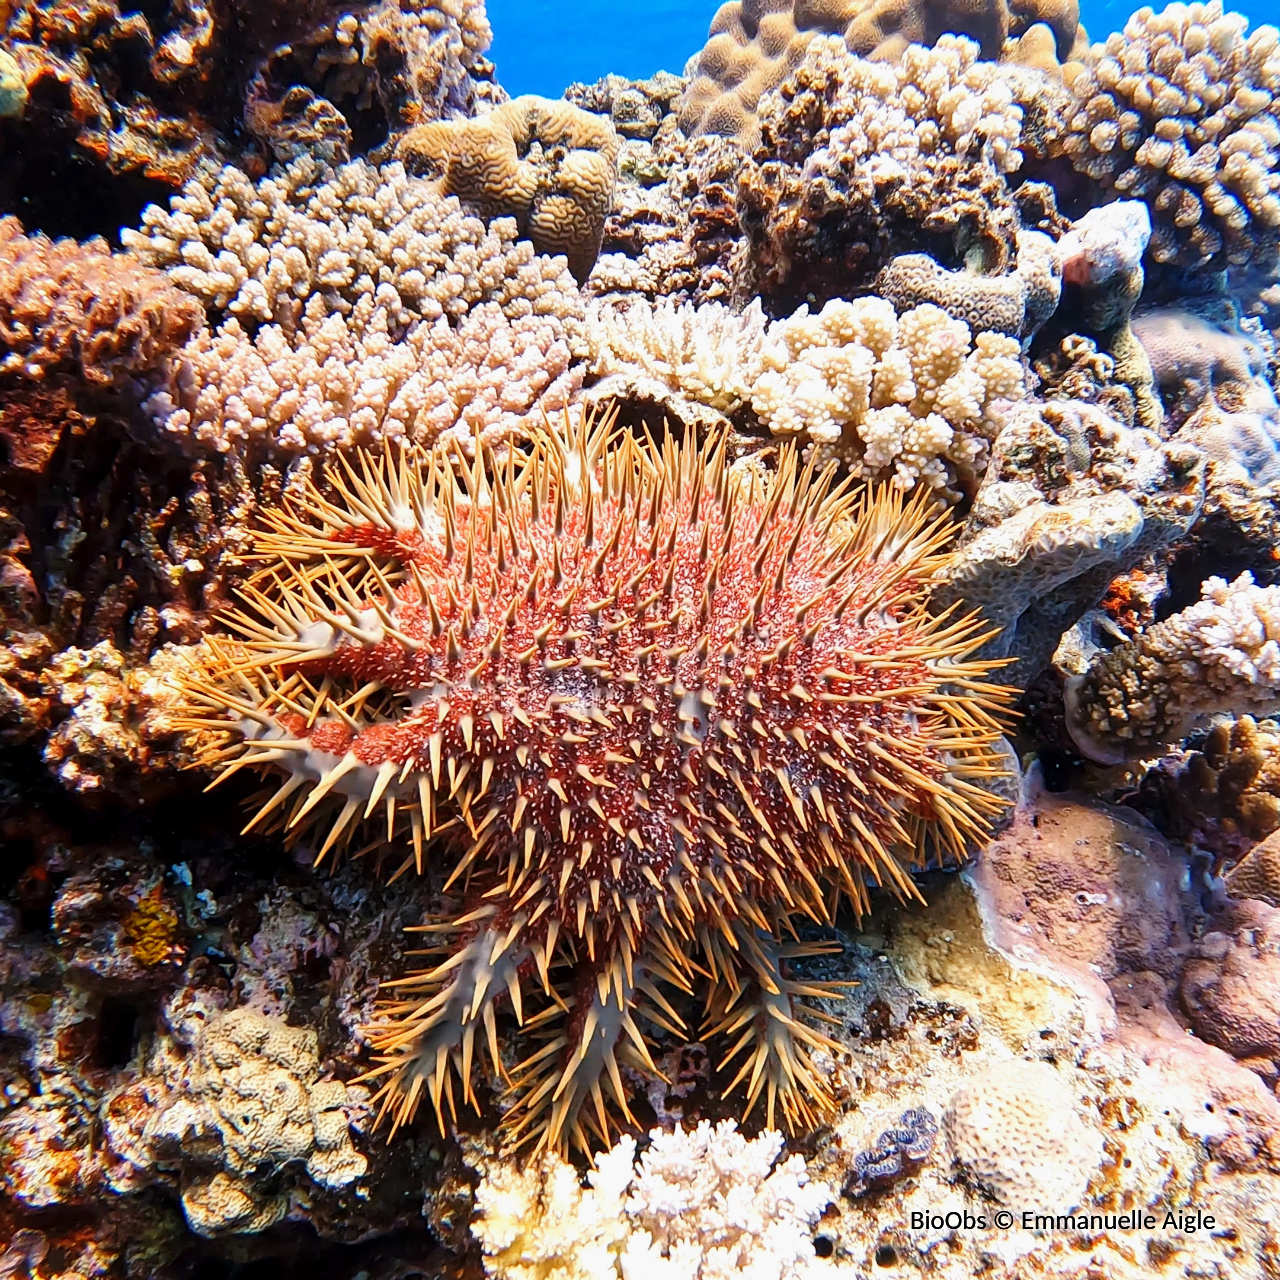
(651, 704)
(1179, 110)
(754, 44)
(550, 165)
(1016, 1132)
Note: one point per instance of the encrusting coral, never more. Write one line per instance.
(652, 705)
(1179, 111)
(78, 309)
(549, 165)
(1220, 654)
(701, 1204)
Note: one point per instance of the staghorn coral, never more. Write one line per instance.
(754, 44)
(692, 716)
(701, 1204)
(914, 398)
(1221, 654)
(1178, 111)
(1015, 1131)
(80, 310)
(1071, 499)
(859, 161)
(550, 165)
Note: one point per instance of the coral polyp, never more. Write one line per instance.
(648, 707)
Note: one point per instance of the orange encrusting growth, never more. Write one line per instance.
(650, 705)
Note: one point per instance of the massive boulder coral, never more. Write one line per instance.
(1015, 1131)
(549, 165)
(1219, 655)
(1212, 376)
(1071, 498)
(914, 397)
(754, 45)
(859, 161)
(1179, 110)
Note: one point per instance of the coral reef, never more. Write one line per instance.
(1071, 498)
(914, 398)
(747, 660)
(601, 525)
(705, 1203)
(859, 161)
(1218, 655)
(549, 165)
(133, 102)
(1176, 110)
(753, 45)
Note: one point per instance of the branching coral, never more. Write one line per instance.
(1179, 111)
(859, 160)
(388, 313)
(1221, 654)
(652, 705)
(261, 250)
(549, 165)
(706, 1204)
(342, 380)
(914, 397)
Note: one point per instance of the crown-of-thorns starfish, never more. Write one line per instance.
(649, 706)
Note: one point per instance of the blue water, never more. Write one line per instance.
(540, 46)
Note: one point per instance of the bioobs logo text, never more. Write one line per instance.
(953, 1221)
